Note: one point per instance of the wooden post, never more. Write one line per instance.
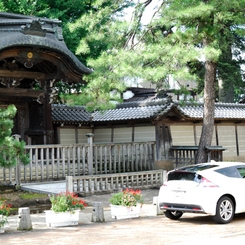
(90, 153)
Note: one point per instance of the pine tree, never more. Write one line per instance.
(10, 149)
(180, 32)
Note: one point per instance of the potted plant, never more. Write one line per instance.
(4, 212)
(126, 204)
(64, 210)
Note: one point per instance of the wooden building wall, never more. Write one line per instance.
(230, 136)
(69, 135)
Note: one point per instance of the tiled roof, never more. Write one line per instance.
(138, 111)
(128, 113)
(70, 114)
(222, 111)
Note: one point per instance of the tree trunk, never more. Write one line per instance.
(208, 112)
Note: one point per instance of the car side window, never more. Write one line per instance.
(230, 172)
(241, 171)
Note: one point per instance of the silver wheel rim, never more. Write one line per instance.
(175, 213)
(226, 210)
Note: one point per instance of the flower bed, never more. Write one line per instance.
(66, 201)
(4, 212)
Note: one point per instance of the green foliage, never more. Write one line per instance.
(66, 202)
(10, 149)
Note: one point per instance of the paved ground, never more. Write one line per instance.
(191, 229)
(54, 187)
(149, 228)
(38, 220)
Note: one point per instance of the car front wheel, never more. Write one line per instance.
(224, 211)
(175, 215)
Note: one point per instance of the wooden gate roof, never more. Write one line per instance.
(34, 48)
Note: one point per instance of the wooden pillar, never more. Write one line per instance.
(237, 142)
(46, 100)
(163, 141)
(133, 133)
(217, 135)
(195, 134)
(112, 134)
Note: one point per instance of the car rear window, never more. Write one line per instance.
(195, 168)
(183, 175)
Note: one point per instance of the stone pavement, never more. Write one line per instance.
(54, 187)
(38, 220)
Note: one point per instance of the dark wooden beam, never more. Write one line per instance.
(26, 74)
(18, 92)
(62, 63)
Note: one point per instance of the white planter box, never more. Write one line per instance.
(2, 229)
(121, 212)
(56, 219)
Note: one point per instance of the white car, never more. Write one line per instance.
(216, 188)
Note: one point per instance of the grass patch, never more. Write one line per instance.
(33, 195)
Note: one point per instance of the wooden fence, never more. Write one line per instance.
(54, 162)
(186, 155)
(114, 182)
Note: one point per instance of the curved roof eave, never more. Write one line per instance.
(16, 39)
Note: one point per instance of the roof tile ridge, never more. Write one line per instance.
(217, 104)
(229, 104)
(62, 106)
(189, 103)
(142, 103)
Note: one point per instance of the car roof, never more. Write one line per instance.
(213, 165)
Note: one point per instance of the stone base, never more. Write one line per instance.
(164, 164)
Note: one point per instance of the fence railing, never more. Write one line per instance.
(186, 155)
(50, 162)
(93, 184)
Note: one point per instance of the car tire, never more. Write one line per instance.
(224, 211)
(175, 215)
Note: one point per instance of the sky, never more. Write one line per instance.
(147, 14)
